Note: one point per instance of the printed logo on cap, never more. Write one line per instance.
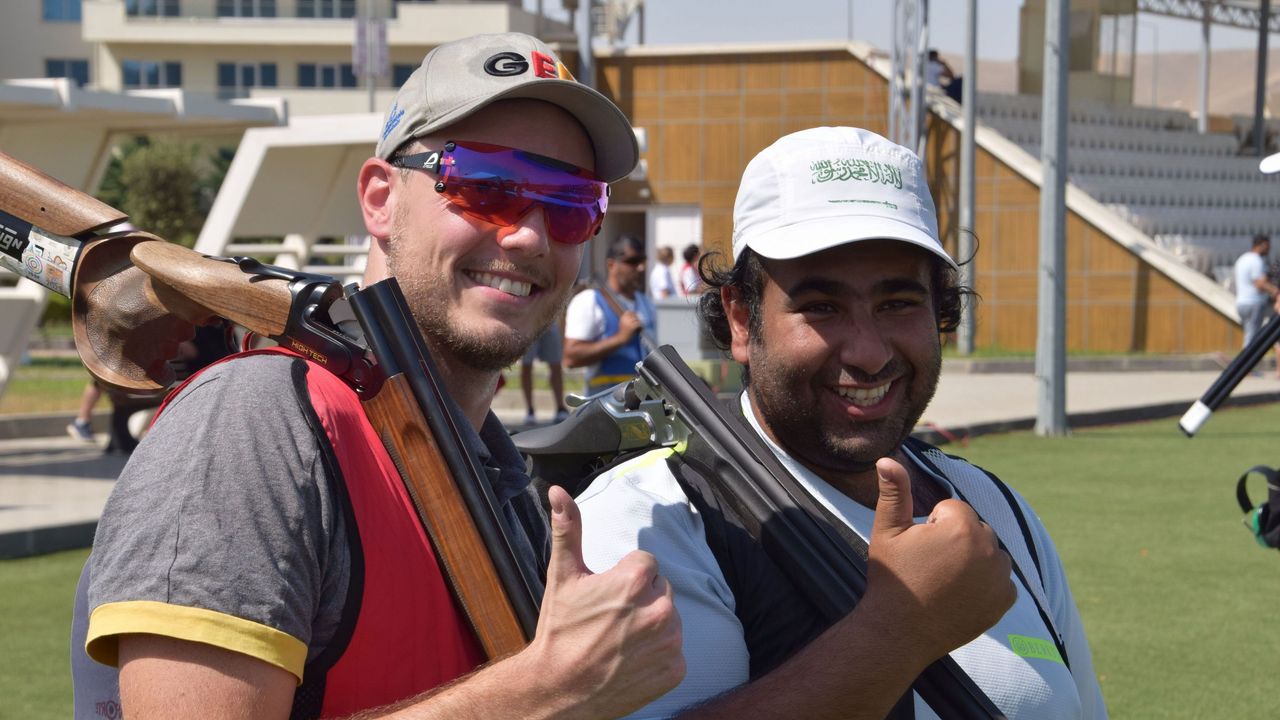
(843, 169)
(509, 64)
(393, 119)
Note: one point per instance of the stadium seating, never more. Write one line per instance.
(1195, 195)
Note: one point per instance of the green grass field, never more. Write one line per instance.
(1174, 593)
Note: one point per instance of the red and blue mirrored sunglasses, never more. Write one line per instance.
(501, 185)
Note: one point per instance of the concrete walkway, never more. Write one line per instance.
(52, 488)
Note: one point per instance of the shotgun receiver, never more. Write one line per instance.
(52, 234)
(135, 297)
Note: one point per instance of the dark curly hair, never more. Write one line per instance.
(747, 277)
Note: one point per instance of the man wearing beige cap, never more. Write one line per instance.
(834, 305)
(253, 562)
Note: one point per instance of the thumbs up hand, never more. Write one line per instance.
(941, 583)
(613, 638)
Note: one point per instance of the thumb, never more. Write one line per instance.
(566, 538)
(893, 507)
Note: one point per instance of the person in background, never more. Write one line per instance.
(690, 280)
(1256, 295)
(549, 348)
(940, 75)
(661, 284)
(609, 341)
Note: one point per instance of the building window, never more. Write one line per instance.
(235, 79)
(151, 74)
(326, 75)
(151, 8)
(77, 70)
(61, 11)
(246, 8)
(400, 73)
(327, 8)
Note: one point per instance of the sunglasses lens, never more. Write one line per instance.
(501, 185)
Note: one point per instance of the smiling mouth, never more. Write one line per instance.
(864, 397)
(518, 288)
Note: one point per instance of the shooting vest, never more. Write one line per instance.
(620, 365)
(777, 617)
(401, 632)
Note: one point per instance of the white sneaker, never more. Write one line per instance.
(81, 431)
(530, 418)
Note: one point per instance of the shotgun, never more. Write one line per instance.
(53, 235)
(667, 404)
(172, 288)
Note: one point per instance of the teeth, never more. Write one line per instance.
(506, 285)
(865, 396)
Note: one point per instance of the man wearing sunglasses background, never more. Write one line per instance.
(608, 341)
(234, 572)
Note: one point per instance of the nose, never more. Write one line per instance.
(864, 345)
(529, 236)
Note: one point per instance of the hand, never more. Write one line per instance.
(613, 638)
(942, 583)
(629, 324)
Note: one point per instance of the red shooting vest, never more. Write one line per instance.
(406, 633)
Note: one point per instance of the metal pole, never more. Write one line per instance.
(586, 60)
(964, 244)
(1202, 123)
(919, 103)
(369, 54)
(1051, 346)
(1260, 86)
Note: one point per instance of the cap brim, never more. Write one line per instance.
(818, 234)
(612, 138)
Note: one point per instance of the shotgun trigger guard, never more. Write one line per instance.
(311, 332)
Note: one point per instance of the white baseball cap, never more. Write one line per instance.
(820, 188)
(462, 77)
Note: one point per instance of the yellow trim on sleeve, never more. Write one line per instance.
(108, 622)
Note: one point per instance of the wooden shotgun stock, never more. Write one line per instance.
(446, 484)
(50, 233)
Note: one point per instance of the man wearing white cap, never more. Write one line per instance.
(834, 305)
(258, 557)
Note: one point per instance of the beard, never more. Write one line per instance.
(429, 292)
(789, 398)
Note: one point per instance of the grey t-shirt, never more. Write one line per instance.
(225, 527)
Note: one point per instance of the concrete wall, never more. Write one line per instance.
(26, 40)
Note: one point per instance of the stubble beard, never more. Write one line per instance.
(428, 293)
(838, 445)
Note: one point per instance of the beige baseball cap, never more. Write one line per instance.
(461, 77)
(819, 188)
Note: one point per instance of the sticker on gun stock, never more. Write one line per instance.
(36, 255)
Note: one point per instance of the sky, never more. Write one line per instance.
(712, 21)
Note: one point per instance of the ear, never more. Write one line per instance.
(376, 189)
(739, 324)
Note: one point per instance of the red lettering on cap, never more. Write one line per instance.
(544, 66)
